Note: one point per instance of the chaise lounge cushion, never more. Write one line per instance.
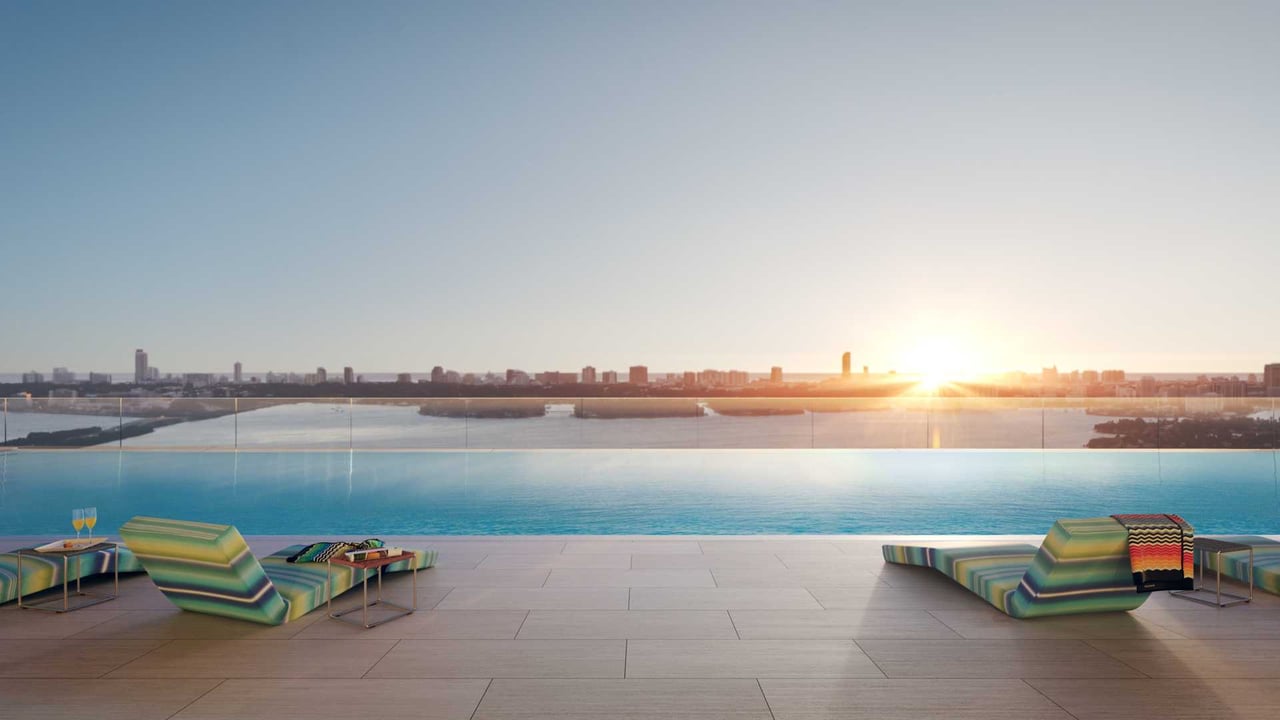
(1081, 567)
(205, 568)
(208, 568)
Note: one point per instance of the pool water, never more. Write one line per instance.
(639, 492)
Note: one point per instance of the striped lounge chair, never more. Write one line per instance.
(1266, 562)
(45, 572)
(209, 569)
(1082, 567)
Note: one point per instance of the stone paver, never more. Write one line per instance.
(770, 628)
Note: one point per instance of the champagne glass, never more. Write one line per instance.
(90, 519)
(77, 521)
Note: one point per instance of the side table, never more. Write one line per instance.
(365, 566)
(1205, 546)
(66, 555)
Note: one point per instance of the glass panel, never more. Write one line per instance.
(1215, 422)
(409, 423)
(894, 422)
(755, 423)
(179, 422)
(1100, 423)
(62, 422)
(971, 423)
(302, 423)
(501, 423)
(639, 422)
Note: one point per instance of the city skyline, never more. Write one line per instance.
(940, 186)
(144, 372)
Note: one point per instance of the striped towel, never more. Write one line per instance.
(1161, 552)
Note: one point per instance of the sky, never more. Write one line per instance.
(547, 185)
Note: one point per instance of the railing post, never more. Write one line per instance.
(351, 424)
(1042, 423)
(120, 424)
(235, 423)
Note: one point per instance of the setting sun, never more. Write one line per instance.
(939, 360)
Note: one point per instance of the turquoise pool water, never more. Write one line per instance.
(639, 492)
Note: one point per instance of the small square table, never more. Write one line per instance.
(366, 566)
(1203, 547)
(77, 553)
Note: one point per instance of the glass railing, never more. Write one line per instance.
(642, 423)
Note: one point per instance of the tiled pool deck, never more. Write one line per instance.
(647, 627)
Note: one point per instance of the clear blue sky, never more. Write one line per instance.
(684, 184)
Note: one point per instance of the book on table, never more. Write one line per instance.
(373, 554)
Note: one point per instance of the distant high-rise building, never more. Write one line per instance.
(237, 373)
(846, 365)
(1147, 386)
(1112, 376)
(404, 378)
(1232, 387)
(63, 376)
(610, 377)
(690, 379)
(866, 371)
(140, 365)
(437, 374)
(322, 375)
(738, 378)
(469, 379)
(775, 374)
(32, 378)
(153, 373)
(348, 375)
(1049, 375)
(1271, 379)
(638, 375)
(452, 377)
(97, 378)
(198, 379)
(588, 375)
(1089, 376)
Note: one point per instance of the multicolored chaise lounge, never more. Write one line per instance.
(1082, 567)
(208, 568)
(45, 572)
(1266, 562)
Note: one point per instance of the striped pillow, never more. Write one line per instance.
(323, 551)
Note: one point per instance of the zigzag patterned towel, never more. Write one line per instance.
(1161, 551)
(322, 551)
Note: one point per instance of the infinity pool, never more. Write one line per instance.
(639, 492)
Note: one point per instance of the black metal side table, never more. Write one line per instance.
(1204, 547)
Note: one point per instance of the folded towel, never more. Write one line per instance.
(323, 551)
(1161, 552)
